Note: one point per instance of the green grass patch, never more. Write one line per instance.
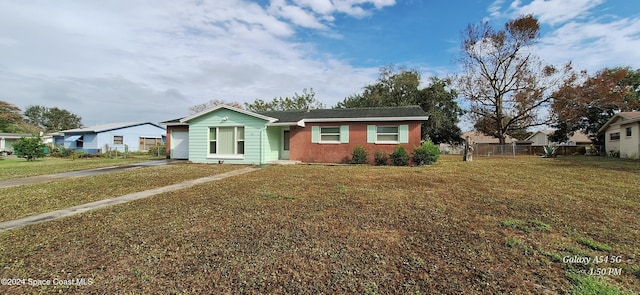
(593, 285)
(594, 245)
(526, 225)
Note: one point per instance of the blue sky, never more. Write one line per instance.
(149, 60)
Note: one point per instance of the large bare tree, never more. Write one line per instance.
(504, 83)
(212, 103)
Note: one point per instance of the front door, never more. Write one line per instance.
(284, 146)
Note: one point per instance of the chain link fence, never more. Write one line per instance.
(489, 150)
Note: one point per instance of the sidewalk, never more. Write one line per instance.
(79, 173)
(17, 223)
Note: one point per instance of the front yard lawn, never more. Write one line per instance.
(22, 201)
(19, 167)
(491, 226)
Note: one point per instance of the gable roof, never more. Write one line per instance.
(223, 106)
(108, 127)
(625, 118)
(299, 117)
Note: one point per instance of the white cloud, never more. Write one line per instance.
(579, 31)
(296, 14)
(555, 12)
(151, 60)
(594, 46)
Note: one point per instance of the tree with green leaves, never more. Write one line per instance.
(402, 88)
(587, 102)
(52, 119)
(504, 83)
(29, 148)
(298, 102)
(10, 116)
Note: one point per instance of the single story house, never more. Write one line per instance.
(137, 136)
(622, 134)
(232, 135)
(541, 138)
(7, 140)
(478, 137)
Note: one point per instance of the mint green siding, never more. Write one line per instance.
(254, 135)
(271, 147)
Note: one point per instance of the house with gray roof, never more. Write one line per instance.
(134, 136)
(231, 135)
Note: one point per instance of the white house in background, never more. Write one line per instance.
(622, 134)
(478, 137)
(541, 138)
(7, 140)
(136, 136)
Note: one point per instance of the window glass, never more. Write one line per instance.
(614, 136)
(387, 133)
(330, 134)
(118, 139)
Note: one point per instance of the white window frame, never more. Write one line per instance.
(330, 134)
(628, 132)
(235, 154)
(397, 134)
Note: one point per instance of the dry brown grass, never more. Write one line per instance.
(350, 229)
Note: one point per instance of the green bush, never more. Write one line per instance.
(380, 158)
(359, 155)
(158, 148)
(59, 151)
(29, 148)
(399, 157)
(426, 154)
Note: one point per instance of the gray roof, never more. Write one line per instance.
(107, 127)
(381, 112)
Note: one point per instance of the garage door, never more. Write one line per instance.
(180, 145)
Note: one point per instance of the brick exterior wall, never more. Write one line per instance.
(168, 138)
(302, 149)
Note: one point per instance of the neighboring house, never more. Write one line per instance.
(7, 140)
(541, 138)
(57, 138)
(478, 137)
(622, 134)
(233, 135)
(137, 136)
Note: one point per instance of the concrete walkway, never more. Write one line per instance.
(79, 173)
(12, 224)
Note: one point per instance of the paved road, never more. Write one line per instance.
(80, 173)
(7, 225)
